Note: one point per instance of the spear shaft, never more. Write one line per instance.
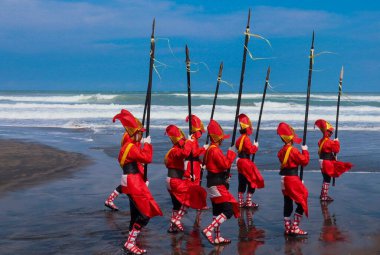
(213, 108)
(261, 110)
(337, 108)
(149, 90)
(189, 108)
(246, 40)
(216, 95)
(311, 62)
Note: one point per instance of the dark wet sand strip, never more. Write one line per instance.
(25, 164)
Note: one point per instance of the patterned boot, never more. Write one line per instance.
(177, 220)
(241, 199)
(217, 221)
(295, 230)
(130, 244)
(249, 202)
(172, 227)
(287, 225)
(109, 202)
(219, 240)
(324, 192)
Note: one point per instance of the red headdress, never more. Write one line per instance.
(129, 122)
(175, 133)
(196, 124)
(245, 123)
(324, 126)
(216, 132)
(286, 132)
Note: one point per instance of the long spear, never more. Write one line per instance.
(149, 91)
(213, 107)
(216, 95)
(308, 97)
(337, 108)
(241, 82)
(261, 109)
(189, 108)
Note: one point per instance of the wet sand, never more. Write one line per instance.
(60, 213)
(25, 164)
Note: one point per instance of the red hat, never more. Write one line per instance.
(286, 132)
(324, 126)
(129, 122)
(245, 123)
(175, 133)
(196, 124)
(216, 132)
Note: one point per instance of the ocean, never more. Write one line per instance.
(88, 117)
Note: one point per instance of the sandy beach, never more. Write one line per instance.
(66, 215)
(25, 164)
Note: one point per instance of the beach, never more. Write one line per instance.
(59, 162)
(65, 214)
(25, 164)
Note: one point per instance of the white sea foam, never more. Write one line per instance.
(58, 98)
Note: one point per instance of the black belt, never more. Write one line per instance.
(193, 158)
(216, 179)
(175, 173)
(328, 156)
(130, 168)
(243, 155)
(289, 171)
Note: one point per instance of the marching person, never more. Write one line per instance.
(327, 150)
(224, 204)
(110, 200)
(248, 174)
(184, 193)
(293, 188)
(131, 159)
(197, 129)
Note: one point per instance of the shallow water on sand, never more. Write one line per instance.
(67, 216)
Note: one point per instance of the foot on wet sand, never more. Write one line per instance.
(111, 205)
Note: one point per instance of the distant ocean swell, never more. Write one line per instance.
(70, 110)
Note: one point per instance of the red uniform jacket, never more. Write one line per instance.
(197, 152)
(245, 165)
(215, 163)
(133, 184)
(331, 166)
(186, 192)
(292, 186)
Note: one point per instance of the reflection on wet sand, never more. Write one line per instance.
(250, 237)
(191, 243)
(293, 245)
(330, 232)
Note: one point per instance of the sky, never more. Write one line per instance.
(104, 45)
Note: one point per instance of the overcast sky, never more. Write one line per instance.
(104, 45)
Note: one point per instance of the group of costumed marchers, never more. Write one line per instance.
(186, 160)
(184, 192)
